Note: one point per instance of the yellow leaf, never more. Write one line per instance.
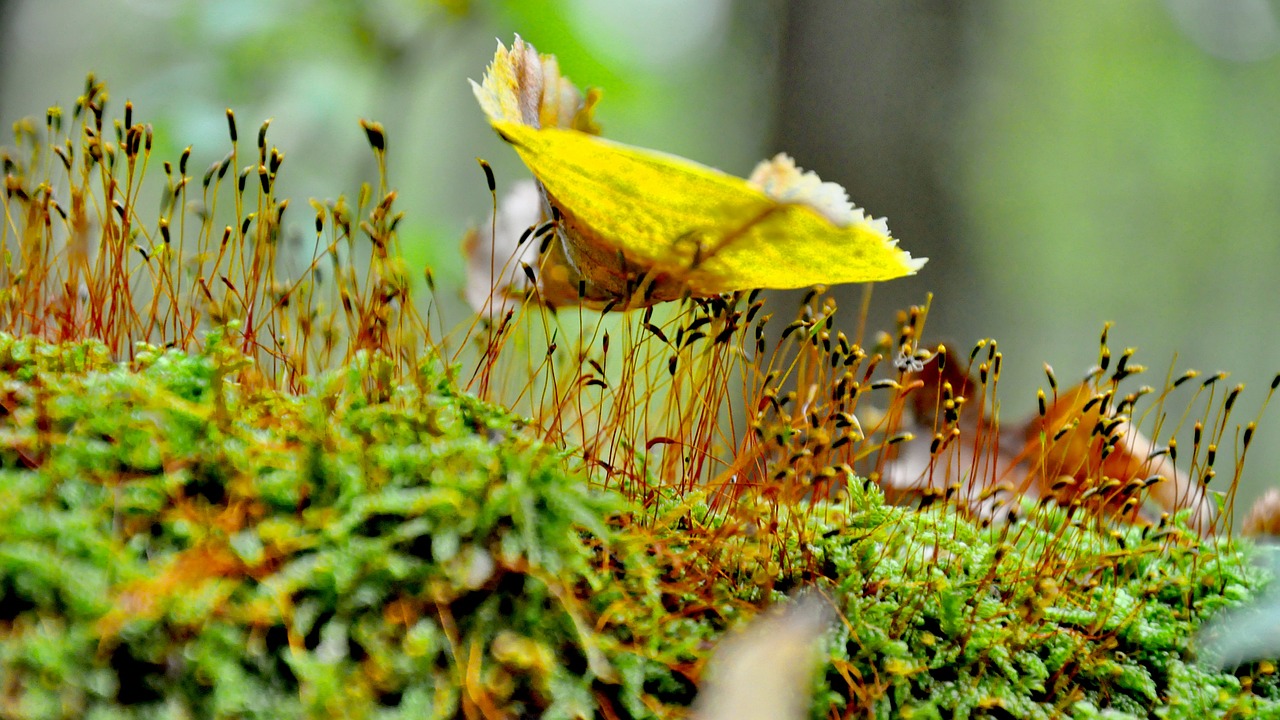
(719, 232)
(639, 226)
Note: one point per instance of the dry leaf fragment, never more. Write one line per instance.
(496, 257)
(1263, 519)
(765, 670)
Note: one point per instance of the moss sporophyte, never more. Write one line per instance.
(239, 480)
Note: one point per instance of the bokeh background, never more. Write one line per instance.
(1062, 164)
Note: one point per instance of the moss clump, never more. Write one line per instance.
(944, 618)
(173, 544)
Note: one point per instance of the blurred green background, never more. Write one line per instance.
(1062, 164)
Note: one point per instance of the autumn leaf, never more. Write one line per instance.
(633, 227)
(1077, 448)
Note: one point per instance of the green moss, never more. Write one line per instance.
(315, 554)
(173, 544)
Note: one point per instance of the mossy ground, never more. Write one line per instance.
(173, 544)
(230, 489)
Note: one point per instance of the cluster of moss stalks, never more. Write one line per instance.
(174, 545)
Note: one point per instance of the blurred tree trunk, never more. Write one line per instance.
(866, 97)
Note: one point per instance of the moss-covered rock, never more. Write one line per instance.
(174, 544)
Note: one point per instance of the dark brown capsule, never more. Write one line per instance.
(376, 134)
